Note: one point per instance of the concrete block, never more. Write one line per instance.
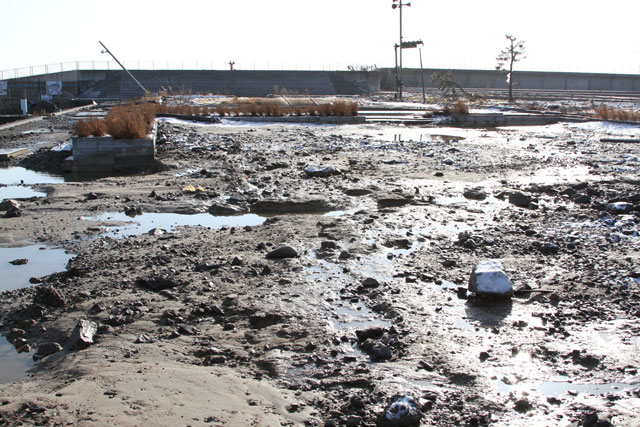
(488, 278)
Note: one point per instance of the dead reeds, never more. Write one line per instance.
(134, 121)
(605, 112)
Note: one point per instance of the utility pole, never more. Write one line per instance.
(398, 4)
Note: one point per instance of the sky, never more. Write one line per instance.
(559, 35)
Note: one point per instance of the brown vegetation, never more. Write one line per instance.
(459, 108)
(609, 113)
(134, 121)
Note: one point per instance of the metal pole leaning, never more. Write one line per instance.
(116, 59)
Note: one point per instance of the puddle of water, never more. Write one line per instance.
(19, 192)
(400, 134)
(17, 181)
(14, 365)
(42, 261)
(440, 228)
(558, 388)
(13, 176)
(555, 175)
(342, 213)
(169, 221)
(357, 316)
(348, 315)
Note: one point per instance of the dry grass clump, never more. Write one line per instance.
(609, 113)
(134, 120)
(337, 108)
(131, 121)
(91, 127)
(459, 108)
(267, 108)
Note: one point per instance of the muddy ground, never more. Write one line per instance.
(204, 325)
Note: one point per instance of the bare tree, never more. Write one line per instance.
(514, 52)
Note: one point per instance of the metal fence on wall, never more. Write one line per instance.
(168, 65)
(36, 70)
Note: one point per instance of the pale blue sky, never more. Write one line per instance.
(562, 35)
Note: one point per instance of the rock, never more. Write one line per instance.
(226, 209)
(370, 333)
(46, 349)
(143, 339)
(619, 207)
(394, 202)
(398, 243)
(277, 165)
(236, 261)
(370, 282)
(353, 421)
(594, 419)
(320, 171)
(380, 351)
(355, 192)
(523, 405)
(15, 333)
(470, 244)
(12, 213)
(82, 334)
(207, 266)
(582, 199)
(157, 232)
(49, 296)
(328, 245)
(271, 206)
(282, 252)
(403, 411)
(447, 161)
(520, 200)
(184, 329)
(489, 279)
(157, 283)
(475, 194)
(546, 248)
(263, 320)
(9, 204)
(19, 261)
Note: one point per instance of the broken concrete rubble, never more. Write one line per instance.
(489, 279)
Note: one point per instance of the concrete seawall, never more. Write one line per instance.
(111, 84)
(492, 79)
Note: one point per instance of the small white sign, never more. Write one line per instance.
(54, 88)
(3, 88)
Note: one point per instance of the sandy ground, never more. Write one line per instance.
(199, 325)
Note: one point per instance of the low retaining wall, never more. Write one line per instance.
(495, 120)
(105, 155)
(338, 120)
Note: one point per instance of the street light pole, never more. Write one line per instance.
(116, 59)
(398, 4)
(400, 86)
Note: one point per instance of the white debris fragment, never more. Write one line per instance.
(488, 278)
